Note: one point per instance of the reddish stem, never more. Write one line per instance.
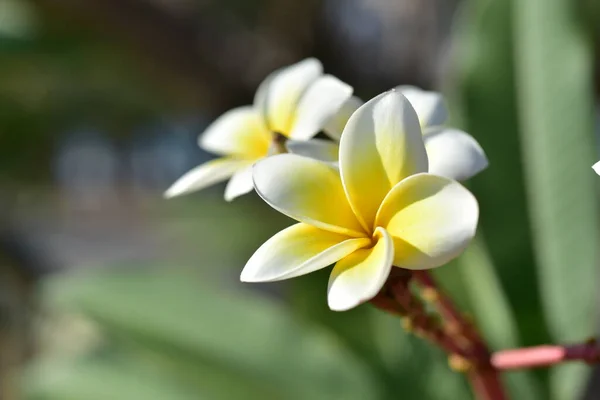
(543, 356)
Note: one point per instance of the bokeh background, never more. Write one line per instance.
(108, 291)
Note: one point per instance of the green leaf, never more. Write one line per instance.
(493, 314)
(553, 63)
(237, 333)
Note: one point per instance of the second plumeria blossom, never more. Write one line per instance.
(596, 167)
(451, 152)
(293, 102)
(378, 210)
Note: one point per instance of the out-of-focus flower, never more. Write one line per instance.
(293, 102)
(380, 208)
(596, 167)
(452, 153)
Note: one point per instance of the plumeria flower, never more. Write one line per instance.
(293, 102)
(596, 167)
(379, 209)
(452, 153)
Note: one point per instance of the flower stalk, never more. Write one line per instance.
(452, 332)
(546, 355)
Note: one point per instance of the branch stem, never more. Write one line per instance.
(546, 355)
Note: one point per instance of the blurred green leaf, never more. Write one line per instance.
(201, 329)
(493, 314)
(554, 76)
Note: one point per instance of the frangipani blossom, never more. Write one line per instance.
(379, 209)
(294, 102)
(452, 153)
(596, 167)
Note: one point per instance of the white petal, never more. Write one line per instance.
(335, 126)
(206, 175)
(239, 184)
(360, 276)
(596, 167)
(453, 153)
(238, 132)
(319, 149)
(430, 106)
(381, 145)
(298, 250)
(278, 96)
(319, 104)
(431, 219)
(307, 190)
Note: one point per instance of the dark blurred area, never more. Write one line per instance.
(101, 103)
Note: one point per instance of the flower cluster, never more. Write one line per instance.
(381, 192)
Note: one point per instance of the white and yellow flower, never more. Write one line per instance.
(452, 153)
(596, 167)
(380, 208)
(294, 102)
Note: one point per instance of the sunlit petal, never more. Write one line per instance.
(335, 126)
(206, 175)
(298, 250)
(239, 184)
(430, 218)
(453, 153)
(321, 101)
(381, 145)
(307, 190)
(596, 167)
(279, 95)
(319, 149)
(430, 106)
(238, 132)
(359, 276)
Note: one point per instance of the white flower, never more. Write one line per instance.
(452, 153)
(379, 209)
(596, 167)
(294, 102)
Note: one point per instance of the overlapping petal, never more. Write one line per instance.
(298, 250)
(206, 175)
(279, 94)
(239, 184)
(319, 149)
(596, 167)
(430, 106)
(240, 132)
(318, 104)
(307, 190)
(335, 125)
(453, 153)
(381, 145)
(359, 276)
(430, 218)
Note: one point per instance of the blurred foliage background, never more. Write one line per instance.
(107, 291)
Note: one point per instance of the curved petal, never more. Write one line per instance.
(239, 184)
(298, 250)
(321, 101)
(359, 276)
(307, 190)
(430, 106)
(431, 219)
(596, 167)
(453, 153)
(239, 132)
(206, 175)
(381, 145)
(319, 149)
(335, 126)
(278, 96)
